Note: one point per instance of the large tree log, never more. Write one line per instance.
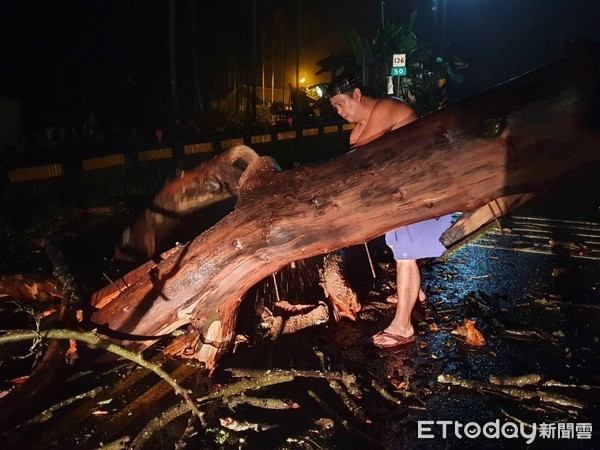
(516, 138)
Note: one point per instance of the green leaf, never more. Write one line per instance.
(411, 20)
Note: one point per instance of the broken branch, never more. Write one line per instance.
(93, 339)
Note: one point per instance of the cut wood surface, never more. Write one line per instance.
(515, 138)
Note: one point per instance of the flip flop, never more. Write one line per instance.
(399, 340)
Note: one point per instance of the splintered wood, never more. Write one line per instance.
(337, 288)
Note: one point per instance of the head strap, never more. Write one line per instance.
(342, 84)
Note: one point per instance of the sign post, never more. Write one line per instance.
(399, 60)
(398, 67)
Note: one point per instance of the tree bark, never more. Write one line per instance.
(516, 138)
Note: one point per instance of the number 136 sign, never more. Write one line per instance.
(399, 60)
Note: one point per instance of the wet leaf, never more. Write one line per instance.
(402, 386)
(472, 335)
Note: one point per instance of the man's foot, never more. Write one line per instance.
(393, 299)
(383, 339)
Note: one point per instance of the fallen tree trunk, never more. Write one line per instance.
(516, 138)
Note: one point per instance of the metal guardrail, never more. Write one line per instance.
(541, 235)
(56, 170)
(35, 173)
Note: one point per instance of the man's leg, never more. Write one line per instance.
(408, 281)
(393, 298)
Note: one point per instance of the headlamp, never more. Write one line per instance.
(334, 88)
(321, 90)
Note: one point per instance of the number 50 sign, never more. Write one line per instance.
(399, 60)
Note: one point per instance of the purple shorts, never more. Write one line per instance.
(419, 240)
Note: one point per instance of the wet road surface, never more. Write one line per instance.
(533, 290)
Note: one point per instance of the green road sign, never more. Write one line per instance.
(398, 71)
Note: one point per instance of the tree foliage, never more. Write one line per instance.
(427, 72)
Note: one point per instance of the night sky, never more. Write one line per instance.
(65, 59)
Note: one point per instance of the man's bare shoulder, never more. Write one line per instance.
(393, 104)
(396, 109)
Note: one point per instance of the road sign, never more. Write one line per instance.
(398, 71)
(399, 60)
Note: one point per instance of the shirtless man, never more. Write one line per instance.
(373, 118)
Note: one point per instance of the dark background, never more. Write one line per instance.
(62, 60)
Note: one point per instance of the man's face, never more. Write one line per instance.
(346, 105)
